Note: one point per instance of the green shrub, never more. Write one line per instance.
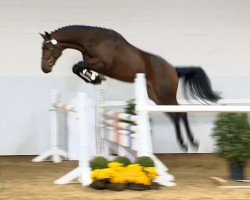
(98, 162)
(232, 134)
(123, 160)
(145, 161)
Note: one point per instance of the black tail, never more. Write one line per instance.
(197, 84)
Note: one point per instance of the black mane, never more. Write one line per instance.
(86, 27)
(79, 27)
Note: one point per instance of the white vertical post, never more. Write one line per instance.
(102, 146)
(144, 134)
(55, 152)
(55, 99)
(144, 137)
(84, 142)
(82, 172)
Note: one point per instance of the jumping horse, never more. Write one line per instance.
(108, 53)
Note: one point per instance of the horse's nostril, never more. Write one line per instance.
(51, 63)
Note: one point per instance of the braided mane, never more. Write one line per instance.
(79, 27)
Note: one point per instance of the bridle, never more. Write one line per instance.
(51, 60)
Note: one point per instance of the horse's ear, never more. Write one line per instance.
(43, 36)
(48, 36)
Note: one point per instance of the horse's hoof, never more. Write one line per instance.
(97, 81)
(195, 145)
(184, 148)
(102, 78)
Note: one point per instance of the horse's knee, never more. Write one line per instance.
(78, 67)
(89, 76)
(75, 69)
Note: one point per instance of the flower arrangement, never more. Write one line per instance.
(118, 176)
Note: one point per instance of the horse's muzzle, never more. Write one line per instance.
(46, 70)
(45, 67)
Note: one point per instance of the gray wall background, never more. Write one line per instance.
(212, 34)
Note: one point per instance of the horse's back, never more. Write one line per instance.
(127, 61)
(161, 76)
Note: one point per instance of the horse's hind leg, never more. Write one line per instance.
(187, 127)
(176, 120)
(176, 117)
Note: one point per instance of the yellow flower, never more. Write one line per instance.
(100, 174)
(135, 168)
(151, 172)
(118, 176)
(143, 180)
(138, 178)
(134, 173)
(116, 166)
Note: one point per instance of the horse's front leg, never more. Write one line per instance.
(82, 69)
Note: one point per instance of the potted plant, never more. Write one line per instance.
(232, 134)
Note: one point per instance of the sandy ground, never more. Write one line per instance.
(22, 179)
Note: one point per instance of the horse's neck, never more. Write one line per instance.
(70, 40)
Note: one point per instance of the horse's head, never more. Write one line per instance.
(51, 51)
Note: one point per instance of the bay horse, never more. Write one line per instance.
(108, 53)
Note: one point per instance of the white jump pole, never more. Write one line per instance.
(143, 128)
(83, 171)
(144, 135)
(102, 145)
(144, 103)
(198, 108)
(55, 152)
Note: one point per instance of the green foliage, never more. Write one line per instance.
(123, 160)
(130, 108)
(145, 161)
(232, 134)
(98, 162)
